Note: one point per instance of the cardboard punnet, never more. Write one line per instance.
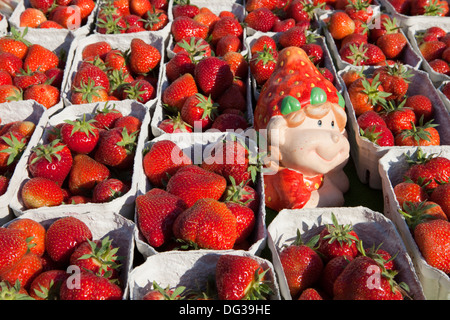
(371, 227)
(124, 204)
(17, 111)
(198, 146)
(193, 270)
(3, 25)
(436, 284)
(102, 224)
(443, 97)
(365, 153)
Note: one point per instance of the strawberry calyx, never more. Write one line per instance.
(179, 123)
(195, 49)
(419, 132)
(83, 125)
(168, 293)
(358, 54)
(48, 151)
(399, 70)
(340, 233)
(264, 56)
(420, 157)
(152, 18)
(391, 25)
(16, 96)
(110, 24)
(433, 8)
(236, 192)
(371, 134)
(117, 79)
(259, 288)
(371, 90)
(88, 90)
(415, 213)
(209, 107)
(128, 141)
(358, 5)
(8, 292)
(19, 36)
(15, 149)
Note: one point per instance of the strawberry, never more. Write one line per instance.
(409, 191)
(180, 64)
(196, 47)
(143, 57)
(370, 118)
(419, 212)
(184, 27)
(162, 161)
(232, 98)
(13, 292)
(158, 293)
(31, 18)
(213, 76)
(12, 146)
(129, 122)
(46, 285)
(67, 16)
(192, 183)
(262, 64)
(242, 193)
(106, 117)
(5, 78)
(240, 278)
(354, 283)
(34, 234)
(89, 72)
(116, 148)
(238, 64)
(379, 134)
(310, 294)
(4, 183)
(431, 238)
(13, 248)
(155, 19)
(85, 174)
(331, 270)
(337, 240)
(185, 9)
(423, 134)
(441, 195)
(89, 93)
(98, 256)
(10, 93)
(295, 36)
(140, 7)
(429, 8)
(392, 44)
(230, 121)
(245, 220)
(27, 78)
(226, 26)
(259, 43)
(108, 190)
(15, 43)
(99, 48)
(178, 91)
(174, 124)
(431, 50)
(156, 211)
(41, 192)
(354, 53)
(261, 19)
(428, 170)
(394, 79)
(228, 43)
(44, 93)
(10, 63)
(80, 136)
(40, 58)
(366, 93)
(199, 110)
(139, 90)
(439, 66)
(208, 224)
(340, 25)
(301, 264)
(92, 287)
(86, 7)
(252, 5)
(314, 52)
(359, 10)
(24, 271)
(283, 25)
(397, 117)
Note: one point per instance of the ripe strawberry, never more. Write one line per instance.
(261, 19)
(24, 271)
(4, 183)
(310, 294)
(397, 117)
(10, 93)
(439, 66)
(5, 78)
(428, 170)
(41, 192)
(100, 49)
(245, 220)
(143, 57)
(155, 19)
(441, 195)
(242, 193)
(27, 78)
(340, 25)
(262, 64)
(46, 285)
(332, 269)
(314, 52)
(337, 240)
(129, 122)
(354, 38)
(140, 7)
(13, 292)
(158, 293)
(156, 212)
(228, 43)
(180, 64)
(92, 287)
(178, 91)
(230, 121)
(259, 43)
(106, 117)
(370, 118)
(423, 134)
(116, 148)
(431, 50)
(31, 18)
(207, 214)
(89, 72)
(354, 284)
(429, 8)
(194, 46)
(13, 247)
(162, 161)
(184, 27)
(174, 124)
(199, 110)
(15, 43)
(359, 10)
(139, 90)
(226, 26)
(185, 9)
(301, 264)
(34, 233)
(295, 36)
(192, 183)
(10, 63)
(86, 7)
(392, 44)
(238, 64)
(240, 278)
(44, 93)
(80, 136)
(394, 79)
(213, 76)
(354, 53)
(67, 16)
(419, 212)
(89, 93)
(252, 5)
(366, 93)
(85, 174)
(409, 191)
(283, 25)
(108, 190)
(12, 146)
(379, 134)
(40, 58)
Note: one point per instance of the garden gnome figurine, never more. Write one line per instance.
(302, 117)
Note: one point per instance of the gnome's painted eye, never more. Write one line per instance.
(332, 124)
(319, 123)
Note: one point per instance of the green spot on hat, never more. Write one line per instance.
(318, 96)
(289, 104)
(341, 101)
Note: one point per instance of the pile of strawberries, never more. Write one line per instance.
(29, 71)
(334, 264)
(14, 138)
(423, 196)
(186, 199)
(279, 16)
(437, 8)
(363, 39)
(386, 115)
(207, 80)
(127, 16)
(34, 260)
(236, 278)
(60, 14)
(88, 159)
(107, 74)
(433, 44)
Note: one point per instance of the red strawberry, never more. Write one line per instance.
(228, 43)
(340, 25)
(34, 234)
(46, 285)
(5, 78)
(192, 183)
(162, 161)
(108, 190)
(174, 124)
(301, 264)
(226, 26)
(295, 36)
(440, 66)
(242, 193)
(366, 94)
(238, 65)
(44, 93)
(12, 146)
(89, 93)
(184, 27)
(422, 134)
(428, 170)
(230, 121)
(40, 58)
(129, 122)
(409, 191)
(245, 220)
(370, 118)
(140, 90)
(314, 52)
(100, 49)
(180, 64)
(105, 118)
(156, 212)
(178, 91)
(80, 136)
(194, 46)
(158, 293)
(331, 271)
(39, 192)
(240, 278)
(116, 148)
(431, 50)
(13, 247)
(10, 93)
(92, 287)
(397, 117)
(10, 63)
(380, 135)
(185, 9)
(63, 236)
(392, 44)
(262, 64)
(143, 57)
(394, 79)
(359, 10)
(211, 216)
(213, 76)
(24, 271)
(85, 174)
(441, 195)
(67, 16)
(32, 18)
(155, 19)
(199, 110)
(283, 25)
(89, 72)
(310, 294)
(261, 19)
(261, 42)
(15, 43)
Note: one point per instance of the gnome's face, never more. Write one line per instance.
(311, 140)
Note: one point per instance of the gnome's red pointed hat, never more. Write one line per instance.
(294, 84)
